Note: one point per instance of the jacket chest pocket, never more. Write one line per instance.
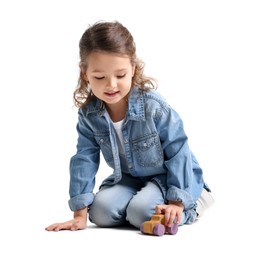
(148, 151)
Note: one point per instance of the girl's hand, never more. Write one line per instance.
(172, 212)
(77, 223)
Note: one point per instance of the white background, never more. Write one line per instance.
(206, 57)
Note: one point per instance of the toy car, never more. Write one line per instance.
(155, 226)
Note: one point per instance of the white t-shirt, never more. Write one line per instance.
(119, 136)
(120, 142)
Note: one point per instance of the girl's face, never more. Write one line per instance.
(109, 76)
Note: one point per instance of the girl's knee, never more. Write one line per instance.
(104, 214)
(137, 213)
(97, 212)
(142, 205)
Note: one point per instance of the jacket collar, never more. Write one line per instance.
(135, 105)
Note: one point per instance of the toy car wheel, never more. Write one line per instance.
(142, 228)
(158, 230)
(172, 230)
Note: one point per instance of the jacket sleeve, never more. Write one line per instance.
(83, 166)
(184, 175)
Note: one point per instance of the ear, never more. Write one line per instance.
(85, 77)
(83, 73)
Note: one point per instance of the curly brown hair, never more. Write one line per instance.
(109, 37)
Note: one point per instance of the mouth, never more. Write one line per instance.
(111, 94)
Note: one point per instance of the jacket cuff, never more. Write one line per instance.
(81, 201)
(176, 194)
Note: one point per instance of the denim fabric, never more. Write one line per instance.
(132, 200)
(156, 147)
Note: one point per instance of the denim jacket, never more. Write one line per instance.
(156, 146)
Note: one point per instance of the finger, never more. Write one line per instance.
(158, 210)
(167, 218)
(59, 227)
(171, 219)
(48, 228)
(178, 217)
(63, 226)
(51, 227)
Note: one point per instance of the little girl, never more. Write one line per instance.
(140, 136)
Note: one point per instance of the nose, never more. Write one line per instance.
(111, 83)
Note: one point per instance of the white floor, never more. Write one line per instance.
(214, 236)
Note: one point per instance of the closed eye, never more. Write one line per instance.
(99, 78)
(121, 76)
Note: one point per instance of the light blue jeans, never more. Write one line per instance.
(132, 200)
